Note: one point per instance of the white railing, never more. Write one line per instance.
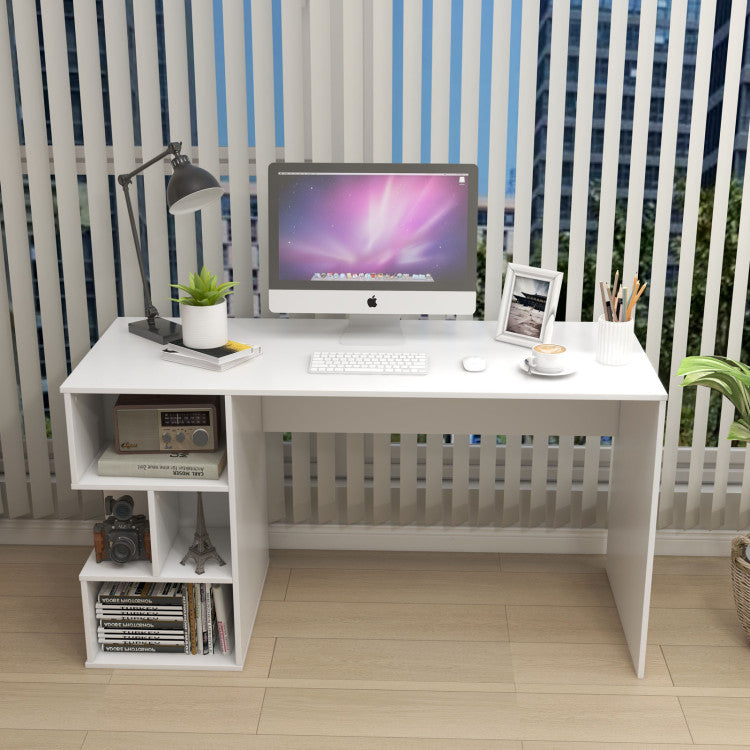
(337, 60)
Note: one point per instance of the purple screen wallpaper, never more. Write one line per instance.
(372, 223)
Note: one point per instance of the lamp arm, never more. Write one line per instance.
(125, 179)
(151, 311)
(173, 149)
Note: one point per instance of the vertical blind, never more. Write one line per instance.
(90, 89)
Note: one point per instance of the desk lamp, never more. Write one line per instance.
(190, 188)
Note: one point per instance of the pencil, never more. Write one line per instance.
(640, 292)
(604, 298)
(631, 301)
(614, 288)
(624, 304)
(611, 296)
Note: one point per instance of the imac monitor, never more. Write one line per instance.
(372, 239)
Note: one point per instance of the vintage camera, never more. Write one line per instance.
(122, 537)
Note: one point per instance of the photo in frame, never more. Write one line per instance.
(528, 305)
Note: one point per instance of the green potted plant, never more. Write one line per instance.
(731, 379)
(728, 377)
(204, 311)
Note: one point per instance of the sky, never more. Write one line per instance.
(455, 84)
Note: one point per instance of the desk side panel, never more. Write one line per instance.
(248, 517)
(633, 501)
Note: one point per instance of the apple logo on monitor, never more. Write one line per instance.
(372, 301)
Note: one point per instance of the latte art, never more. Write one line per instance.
(549, 348)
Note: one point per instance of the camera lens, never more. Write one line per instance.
(122, 550)
(122, 508)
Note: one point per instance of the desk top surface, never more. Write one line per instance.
(121, 362)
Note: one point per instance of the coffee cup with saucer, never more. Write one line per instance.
(548, 359)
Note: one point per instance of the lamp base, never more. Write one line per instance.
(160, 330)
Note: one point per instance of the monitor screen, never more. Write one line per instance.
(372, 238)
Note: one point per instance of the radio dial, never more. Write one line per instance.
(200, 438)
(166, 437)
(180, 437)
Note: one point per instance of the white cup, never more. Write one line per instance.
(548, 358)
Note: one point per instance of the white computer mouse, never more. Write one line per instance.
(474, 364)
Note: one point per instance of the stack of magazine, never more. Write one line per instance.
(141, 617)
(220, 358)
(147, 617)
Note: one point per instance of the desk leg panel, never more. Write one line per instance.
(633, 501)
(246, 459)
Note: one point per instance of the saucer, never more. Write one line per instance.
(526, 367)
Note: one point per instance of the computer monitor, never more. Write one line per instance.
(372, 240)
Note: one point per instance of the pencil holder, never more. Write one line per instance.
(614, 341)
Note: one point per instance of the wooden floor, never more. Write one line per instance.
(394, 651)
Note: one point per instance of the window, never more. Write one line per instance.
(626, 140)
(691, 40)
(600, 106)
(628, 106)
(632, 39)
(600, 73)
(570, 137)
(602, 34)
(623, 176)
(652, 177)
(686, 111)
(541, 105)
(572, 74)
(570, 104)
(659, 78)
(688, 77)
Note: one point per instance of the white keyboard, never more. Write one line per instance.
(368, 363)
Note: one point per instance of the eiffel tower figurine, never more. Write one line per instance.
(201, 550)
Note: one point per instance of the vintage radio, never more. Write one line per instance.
(166, 424)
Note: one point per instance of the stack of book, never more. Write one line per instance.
(221, 358)
(175, 465)
(141, 617)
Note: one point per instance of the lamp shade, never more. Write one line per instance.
(190, 188)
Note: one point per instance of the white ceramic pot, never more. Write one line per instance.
(204, 327)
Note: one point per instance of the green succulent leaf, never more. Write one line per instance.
(203, 289)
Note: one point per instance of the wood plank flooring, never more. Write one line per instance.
(394, 651)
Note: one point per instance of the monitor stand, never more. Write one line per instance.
(372, 330)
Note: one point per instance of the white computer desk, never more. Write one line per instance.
(276, 394)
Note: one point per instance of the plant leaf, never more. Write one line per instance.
(203, 289)
(739, 430)
(728, 377)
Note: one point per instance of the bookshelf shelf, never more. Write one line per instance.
(233, 502)
(104, 660)
(89, 479)
(171, 569)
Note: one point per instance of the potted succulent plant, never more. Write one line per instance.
(204, 310)
(731, 379)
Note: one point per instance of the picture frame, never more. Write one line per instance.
(528, 305)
